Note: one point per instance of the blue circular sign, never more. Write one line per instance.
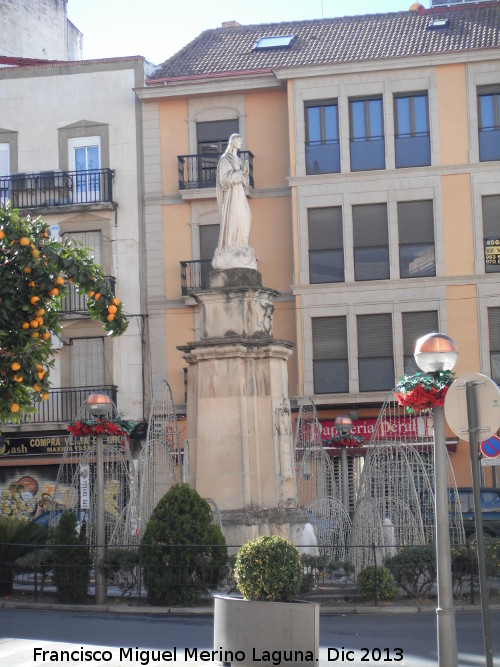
(491, 447)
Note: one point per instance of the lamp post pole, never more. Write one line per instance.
(437, 352)
(100, 405)
(343, 425)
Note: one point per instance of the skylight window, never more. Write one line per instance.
(438, 24)
(275, 42)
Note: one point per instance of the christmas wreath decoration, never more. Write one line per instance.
(100, 426)
(420, 391)
(345, 441)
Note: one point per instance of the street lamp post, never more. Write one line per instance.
(343, 424)
(433, 353)
(100, 405)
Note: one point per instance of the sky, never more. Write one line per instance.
(157, 29)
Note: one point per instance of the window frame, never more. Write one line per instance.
(339, 359)
(321, 105)
(489, 150)
(336, 250)
(413, 136)
(361, 249)
(368, 139)
(367, 362)
(416, 242)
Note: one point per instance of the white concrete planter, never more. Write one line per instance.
(249, 633)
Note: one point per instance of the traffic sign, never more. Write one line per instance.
(488, 406)
(491, 447)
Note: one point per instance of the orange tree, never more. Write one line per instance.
(35, 273)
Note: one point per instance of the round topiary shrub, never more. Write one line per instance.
(183, 552)
(268, 568)
(376, 582)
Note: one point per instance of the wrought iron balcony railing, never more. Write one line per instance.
(200, 171)
(76, 304)
(57, 188)
(63, 405)
(194, 275)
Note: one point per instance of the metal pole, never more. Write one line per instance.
(345, 481)
(473, 427)
(100, 578)
(446, 628)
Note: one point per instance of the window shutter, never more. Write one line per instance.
(4, 159)
(325, 228)
(87, 362)
(489, 90)
(329, 338)
(370, 225)
(491, 216)
(217, 130)
(416, 221)
(374, 336)
(90, 240)
(494, 327)
(209, 239)
(416, 325)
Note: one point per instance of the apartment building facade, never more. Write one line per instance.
(70, 151)
(374, 144)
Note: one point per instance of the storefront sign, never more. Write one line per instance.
(492, 252)
(40, 444)
(402, 428)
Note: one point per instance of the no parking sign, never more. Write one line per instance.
(491, 451)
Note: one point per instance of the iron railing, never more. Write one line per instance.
(75, 303)
(57, 188)
(63, 404)
(194, 275)
(200, 171)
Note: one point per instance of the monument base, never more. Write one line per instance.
(239, 526)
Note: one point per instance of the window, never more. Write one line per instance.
(322, 138)
(74, 301)
(491, 232)
(330, 358)
(326, 247)
(209, 239)
(416, 239)
(275, 42)
(212, 139)
(489, 123)
(367, 134)
(494, 329)
(412, 139)
(87, 369)
(85, 160)
(371, 242)
(416, 325)
(4, 171)
(375, 353)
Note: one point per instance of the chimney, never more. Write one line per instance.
(230, 24)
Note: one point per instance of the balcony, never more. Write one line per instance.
(47, 189)
(63, 405)
(200, 171)
(194, 275)
(75, 304)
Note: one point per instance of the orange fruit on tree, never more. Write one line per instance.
(89, 294)
(112, 308)
(14, 407)
(116, 301)
(2, 234)
(27, 269)
(46, 335)
(54, 291)
(31, 283)
(45, 396)
(41, 374)
(59, 280)
(39, 320)
(24, 241)
(35, 334)
(15, 365)
(40, 312)
(34, 324)
(110, 317)
(25, 325)
(97, 295)
(34, 299)
(37, 387)
(18, 378)
(35, 253)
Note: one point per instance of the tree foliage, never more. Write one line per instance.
(71, 560)
(36, 272)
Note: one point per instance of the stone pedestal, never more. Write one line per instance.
(238, 413)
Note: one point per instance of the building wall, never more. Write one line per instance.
(38, 29)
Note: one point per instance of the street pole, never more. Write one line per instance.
(100, 577)
(446, 627)
(345, 481)
(473, 424)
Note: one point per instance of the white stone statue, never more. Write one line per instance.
(233, 250)
(308, 541)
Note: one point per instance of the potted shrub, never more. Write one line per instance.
(267, 625)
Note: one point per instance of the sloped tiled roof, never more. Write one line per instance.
(336, 41)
